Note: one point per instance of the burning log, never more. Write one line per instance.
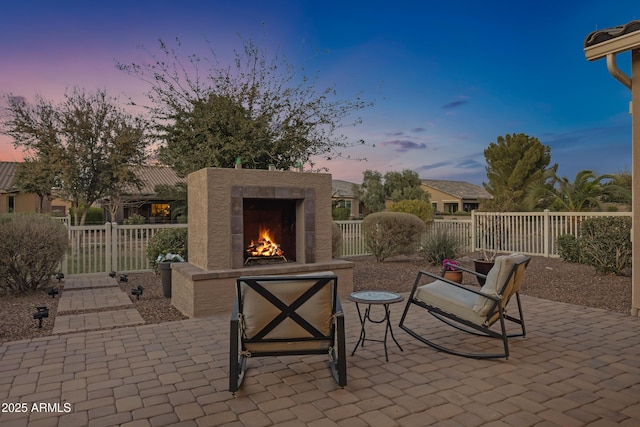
(265, 247)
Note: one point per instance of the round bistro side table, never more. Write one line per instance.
(384, 298)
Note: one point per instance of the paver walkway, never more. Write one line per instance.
(94, 293)
(576, 367)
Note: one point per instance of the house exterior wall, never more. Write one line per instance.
(22, 202)
(439, 199)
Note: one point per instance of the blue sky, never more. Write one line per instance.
(447, 77)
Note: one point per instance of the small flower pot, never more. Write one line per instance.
(454, 276)
(482, 267)
(165, 276)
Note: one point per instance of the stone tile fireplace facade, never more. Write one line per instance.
(218, 199)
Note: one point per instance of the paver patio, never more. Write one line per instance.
(577, 366)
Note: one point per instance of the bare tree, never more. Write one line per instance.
(260, 110)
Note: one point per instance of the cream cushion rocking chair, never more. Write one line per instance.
(469, 309)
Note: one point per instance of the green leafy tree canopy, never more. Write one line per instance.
(405, 185)
(584, 194)
(86, 141)
(515, 163)
(371, 191)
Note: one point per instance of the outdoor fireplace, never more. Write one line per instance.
(229, 209)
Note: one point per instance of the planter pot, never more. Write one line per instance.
(165, 276)
(454, 276)
(482, 267)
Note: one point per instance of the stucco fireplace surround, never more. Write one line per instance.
(220, 202)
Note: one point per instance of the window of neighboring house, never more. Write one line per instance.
(160, 210)
(468, 207)
(12, 204)
(451, 207)
(434, 205)
(344, 204)
(58, 210)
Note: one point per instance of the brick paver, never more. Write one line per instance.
(577, 366)
(99, 320)
(89, 281)
(89, 299)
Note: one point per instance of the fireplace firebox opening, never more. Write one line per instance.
(269, 229)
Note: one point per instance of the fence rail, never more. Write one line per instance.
(531, 233)
(123, 248)
(110, 247)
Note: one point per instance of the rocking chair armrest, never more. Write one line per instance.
(458, 285)
(339, 311)
(466, 270)
(235, 311)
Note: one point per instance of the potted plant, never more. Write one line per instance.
(450, 271)
(485, 264)
(164, 267)
(167, 246)
(491, 241)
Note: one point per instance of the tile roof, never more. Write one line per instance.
(153, 175)
(7, 175)
(599, 36)
(460, 189)
(341, 188)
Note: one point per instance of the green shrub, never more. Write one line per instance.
(391, 233)
(336, 240)
(95, 216)
(165, 241)
(419, 208)
(605, 243)
(439, 245)
(568, 248)
(34, 245)
(341, 214)
(134, 219)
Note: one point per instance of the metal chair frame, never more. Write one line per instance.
(497, 314)
(238, 353)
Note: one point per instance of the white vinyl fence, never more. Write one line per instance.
(531, 233)
(110, 247)
(123, 248)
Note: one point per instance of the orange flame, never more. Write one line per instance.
(265, 246)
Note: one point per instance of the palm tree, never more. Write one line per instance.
(585, 193)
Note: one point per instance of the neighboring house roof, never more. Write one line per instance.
(153, 175)
(459, 189)
(7, 175)
(341, 188)
(150, 175)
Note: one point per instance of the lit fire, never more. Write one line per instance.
(265, 246)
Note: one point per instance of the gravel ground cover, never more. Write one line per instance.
(547, 278)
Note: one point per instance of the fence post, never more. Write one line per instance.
(473, 230)
(107, 247)
(546, 230)
(114, 247)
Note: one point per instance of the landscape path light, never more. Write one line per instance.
(42, 313)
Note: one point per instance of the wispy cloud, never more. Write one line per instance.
(432, 166)
(454, 104)
(418, 130)
(580, 138)
(402, 146)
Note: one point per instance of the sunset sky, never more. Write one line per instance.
(447, 77)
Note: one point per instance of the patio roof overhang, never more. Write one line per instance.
(609, 42)
(601, 43)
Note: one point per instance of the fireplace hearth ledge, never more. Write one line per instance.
(202, 293)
